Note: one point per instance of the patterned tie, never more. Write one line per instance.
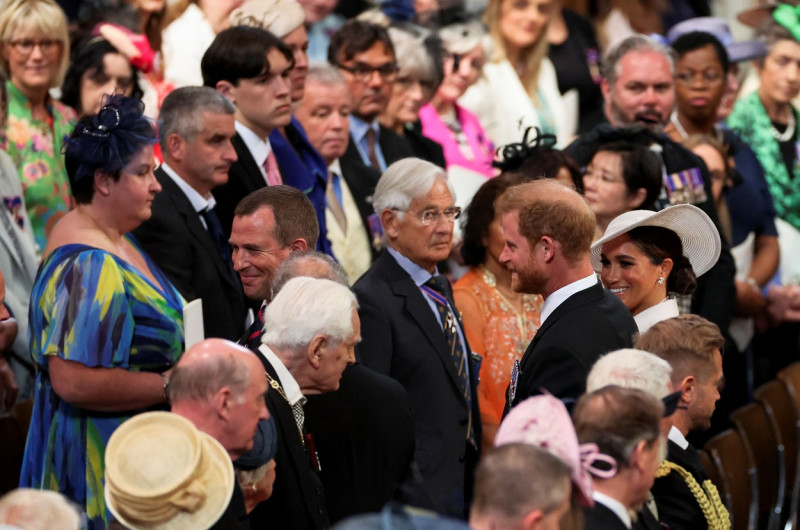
(436, 287)
(333, 196)
(214, 228)
(373, 158)
(297, 408)
(271, 167)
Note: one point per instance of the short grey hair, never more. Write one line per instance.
(406, 180)
(463, 37)
(201, 379)
(631, 368)
(770, 33)
(182, 111)
(412, 55)
(307, 307)
(634, 43)
(37, 510)
(308, 263)
(325, 74)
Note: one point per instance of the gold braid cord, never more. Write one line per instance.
(707, 496)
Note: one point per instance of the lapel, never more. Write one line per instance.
(253, 179)
(590, 295)
(415, 306)
(192, 219)
(393, 146)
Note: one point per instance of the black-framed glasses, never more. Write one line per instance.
(363, 71)
(26, 46)
(432, 215)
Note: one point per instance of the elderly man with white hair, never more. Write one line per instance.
(412, 331)
(311, 330)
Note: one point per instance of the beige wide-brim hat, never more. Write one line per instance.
(699, 237)
(164, 474)
(279, 17)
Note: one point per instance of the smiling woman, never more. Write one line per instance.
(35, 53)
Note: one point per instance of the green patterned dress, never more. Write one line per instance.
(91, 307)
(35, 148)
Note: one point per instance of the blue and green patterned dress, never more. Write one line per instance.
(94, 308)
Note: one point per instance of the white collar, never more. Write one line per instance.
(199, 203)
(335, 167)
(259, 148)
(288, 382)
(558, 297)
(614, 505)
(677, 437)
(653, 315)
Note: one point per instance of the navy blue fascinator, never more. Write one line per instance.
(109, 139)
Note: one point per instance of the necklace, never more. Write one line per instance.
(679, 127)
(786, 135)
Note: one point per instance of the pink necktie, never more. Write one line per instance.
(271, 167)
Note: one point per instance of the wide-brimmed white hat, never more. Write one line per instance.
(279, 17)
(164, 474)
(699, 237)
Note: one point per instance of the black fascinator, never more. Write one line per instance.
(109, 140)
(511, 157)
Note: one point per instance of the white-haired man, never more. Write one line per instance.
(311, 330)
(413, 334)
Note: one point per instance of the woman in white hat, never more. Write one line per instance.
(646, 258)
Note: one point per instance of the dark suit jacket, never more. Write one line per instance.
(361, 180)
(175, 238)
(244, 177)
(424, 147)
(677, 507)
(585, 326)
(402, 338)
(235, 515)
(392, 146)
(298, 500)
(364, 434)
(715, 295)
(602, 518)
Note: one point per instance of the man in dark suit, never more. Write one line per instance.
(548, 230)
(324, 113)
(412, 332)
(184, 235)
(364, 432)
(251, 67)
(312, 328)
(692, 346)
(268, 225)
(364, 54)
(624, 425)
(520, 485)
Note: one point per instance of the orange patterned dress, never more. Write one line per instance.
(496, 331)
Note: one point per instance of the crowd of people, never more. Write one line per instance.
(501, 262)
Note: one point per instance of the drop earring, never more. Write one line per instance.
(660, 280)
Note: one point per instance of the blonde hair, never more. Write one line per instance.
(44, 16)
(531, 57)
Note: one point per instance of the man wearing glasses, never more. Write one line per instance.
(411, 332)
(364, 54)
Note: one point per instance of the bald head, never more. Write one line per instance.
(208, 366)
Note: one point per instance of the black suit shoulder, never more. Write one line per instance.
(424, 147)
(602, 518)
(244, 177)
(677, 505)
(587, 325)
(364, 434)
(178, 242)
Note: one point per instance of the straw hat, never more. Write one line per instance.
(699, 237)
(163, 474)
(279, 17)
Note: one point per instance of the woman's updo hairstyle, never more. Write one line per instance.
(658, 244)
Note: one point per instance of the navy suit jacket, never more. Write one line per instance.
(402, 338)
(602, 518)
(585, 326)
(179, 243)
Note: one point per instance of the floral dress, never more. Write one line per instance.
(35, 147)
(91, 307)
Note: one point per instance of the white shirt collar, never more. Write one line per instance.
(614, 505)
(288, 382)
(335, 167)
(558, 297)
(259, 148)
(677, 437)
(653, 315)
(199, 203)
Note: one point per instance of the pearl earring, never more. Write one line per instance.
(660, 280)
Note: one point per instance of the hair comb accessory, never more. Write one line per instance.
(510, 157)
(114, 135)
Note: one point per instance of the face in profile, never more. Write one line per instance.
(133, 193)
